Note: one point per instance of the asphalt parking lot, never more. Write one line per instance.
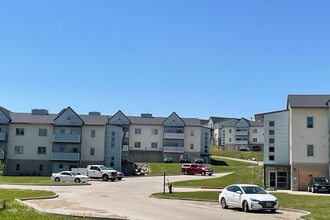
(129, 199)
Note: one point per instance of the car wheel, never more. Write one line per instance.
(112, 180)
(223, 203)
(57, 179)
(210, 174)
(273, 210)
(203, 173)
(245, 206)
(105, 178)
(77, 180)
(120, 178)
(186, 172)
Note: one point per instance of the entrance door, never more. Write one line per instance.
(272, 179)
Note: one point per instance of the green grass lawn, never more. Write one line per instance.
(317, 205)
(175, 168)
(15, 211)
(43, 180)
(215, 151)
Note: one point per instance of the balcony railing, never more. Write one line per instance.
(2, 155)
(173, 135)
(65, 156)
(173, 149)
(241, 142)
(66, 138)
(241, 133)
(125, 147)
(2, 136)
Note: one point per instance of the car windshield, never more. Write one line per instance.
(106, 168)
(253, 190)
(168, 158)
(321, 180)
(184, 156)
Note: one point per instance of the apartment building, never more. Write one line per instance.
(235, 134)
(297, 142)
(39, 143)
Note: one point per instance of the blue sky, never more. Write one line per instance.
(197, 58)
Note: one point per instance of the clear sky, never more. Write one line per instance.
(197, 58)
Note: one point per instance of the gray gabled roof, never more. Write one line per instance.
(308, 101)
(159, 121)
(95, 119)
(6, 112)
(256, 123)
(218, 119)
(28, 118)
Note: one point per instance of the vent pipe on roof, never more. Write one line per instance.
(146, 115)
(94, 113)
(39, 111)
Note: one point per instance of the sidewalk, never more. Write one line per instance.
(260, 163)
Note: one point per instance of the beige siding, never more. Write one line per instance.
(259, 135)
(146, 138)
(87, 142)
(229, 137)
(30, 141)
(301, 136)
(195, 139)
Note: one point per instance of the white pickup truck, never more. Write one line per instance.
(97, 172)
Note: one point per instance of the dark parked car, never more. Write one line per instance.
(318, 184)
(198, 160)
(168, 160)
(184, 158)
(256, 148)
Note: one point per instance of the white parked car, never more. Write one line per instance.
(69, 176)
(248, 197)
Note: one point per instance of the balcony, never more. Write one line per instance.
(65, 156)
(66, 138)
(2, 136)
(2, 155)
(241, 133)
(242, 142)
(173, 135)
(125, 147)
(127, 135)
(168, 149)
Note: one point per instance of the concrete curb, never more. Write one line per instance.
(215, 201)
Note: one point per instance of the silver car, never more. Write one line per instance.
(69, 176)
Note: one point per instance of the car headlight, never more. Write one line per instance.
(254, 200)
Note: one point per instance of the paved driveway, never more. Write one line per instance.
(129, 199)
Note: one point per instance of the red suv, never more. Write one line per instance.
(194, 168)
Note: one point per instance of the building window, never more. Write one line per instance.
(18, 167)
(20, 131)
(92, 151)
(62, 131)
(154, 131)
(60, 166)
(137, 130)
(74, 150)
(112, 162)
(41, 150)
(271, 140)
(255, 140)
(310, 150)
(229, 130)
(113, 133)
(271, 157)
(271, 149)
(271, 132)
(255, 131)
(42, 132)
(113, 139)
(191, 132)
(137, 144)
(154, 145)
(191, 146)
(19, 149)
(271, 123)
(41, 167)
(93, 133)
(229, 140)
(112, 144)
(309, 122)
